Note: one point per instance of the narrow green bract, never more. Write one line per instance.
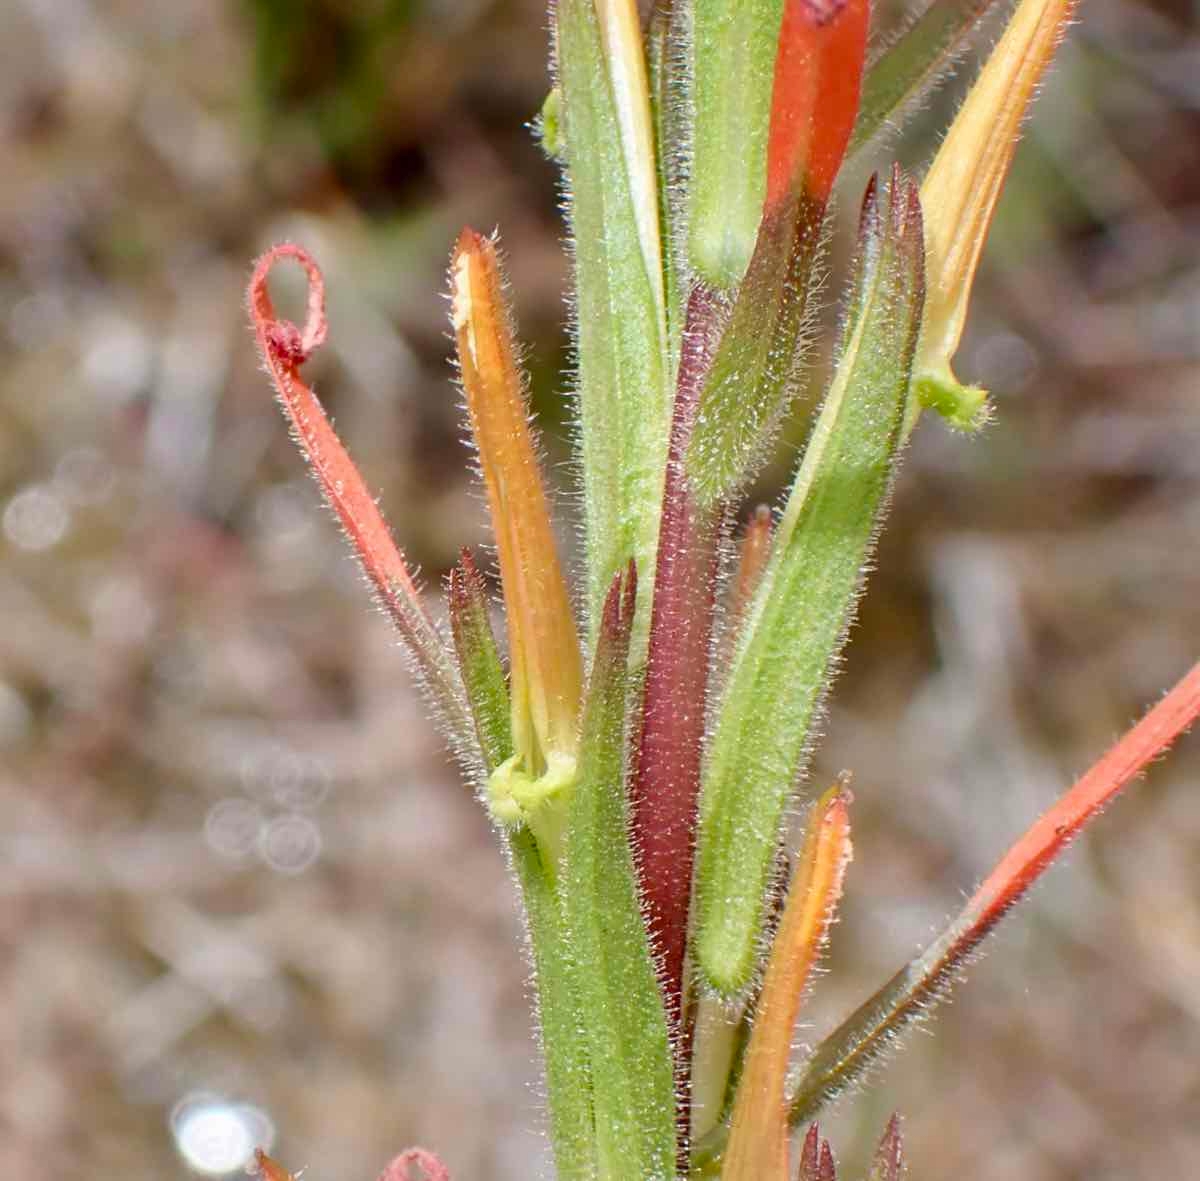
(752, 374)
(623, 398)
(734, 44)
(797, 620)
(911, 67)
(622, 1018)
(479, 661)
(670, 130)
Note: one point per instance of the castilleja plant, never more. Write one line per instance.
(640, 746)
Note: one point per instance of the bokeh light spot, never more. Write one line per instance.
(232, 827)
(36, 518)
(216, 1137)
(290, 843)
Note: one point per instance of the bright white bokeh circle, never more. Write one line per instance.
(216, 1137)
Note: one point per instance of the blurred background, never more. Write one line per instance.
(243, 897)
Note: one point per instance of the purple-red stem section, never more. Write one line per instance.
(666, 779)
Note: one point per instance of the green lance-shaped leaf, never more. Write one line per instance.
(623, 1020)
(624, 405)
(734, 46)
(479, 661)
(913, 64)
(797, 621)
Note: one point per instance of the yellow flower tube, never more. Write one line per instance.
(621, 32)
(961, 189)
(545, 667)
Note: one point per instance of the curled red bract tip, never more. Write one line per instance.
(431, 1166)
(287, 343)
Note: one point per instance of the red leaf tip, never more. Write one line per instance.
(826, 1170)
(431, 1167)
(809, 1154)
(889, 1158)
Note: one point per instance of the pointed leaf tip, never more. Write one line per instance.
(810, 1154)
(752, 561)
(889, 1156)
(827, 1169)
(868, 215)
(479, 661)
(616, 619)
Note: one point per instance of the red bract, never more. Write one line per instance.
(284, 348)
(818, 80)
(401, 1168)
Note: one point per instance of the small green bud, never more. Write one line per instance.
(964, 407)
(548, 126)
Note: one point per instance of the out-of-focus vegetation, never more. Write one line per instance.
(235, 861)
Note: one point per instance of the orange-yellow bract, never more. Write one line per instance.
(545, 666)
(759, 1129)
